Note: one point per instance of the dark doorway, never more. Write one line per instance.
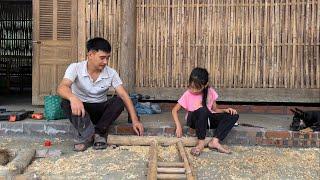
(15, 47)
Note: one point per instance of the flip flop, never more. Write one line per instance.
(195, 151)
(99, 142)
(85, 144)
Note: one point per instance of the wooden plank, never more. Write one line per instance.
(153, 157)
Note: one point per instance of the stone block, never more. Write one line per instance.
(278, 134)
(125, 130)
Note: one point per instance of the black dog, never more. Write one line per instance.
(304, 119)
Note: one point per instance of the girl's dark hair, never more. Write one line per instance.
(98, 43)
(199, 77)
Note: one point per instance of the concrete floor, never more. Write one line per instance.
(129, 162)
(268, 121)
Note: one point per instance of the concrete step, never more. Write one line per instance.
(239, 135)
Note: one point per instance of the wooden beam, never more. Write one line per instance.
(128, 44)
(185, 160)
(153, 157)
(147, 140)
(242, 94)
(81, 30)
(18, 164)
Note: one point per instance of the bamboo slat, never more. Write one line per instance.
(242, 43)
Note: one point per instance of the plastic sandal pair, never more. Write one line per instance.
(98, 143)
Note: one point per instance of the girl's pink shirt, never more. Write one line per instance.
(192, 102)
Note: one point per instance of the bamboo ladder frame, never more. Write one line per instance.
(169, 170)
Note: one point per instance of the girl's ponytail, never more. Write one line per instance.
(204, 96)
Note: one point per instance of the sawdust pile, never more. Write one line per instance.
(93, 164)
(168, 154)
(260, 162)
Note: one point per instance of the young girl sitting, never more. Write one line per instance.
(202, 113)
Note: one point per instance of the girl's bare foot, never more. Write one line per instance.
(215, 145)
(196, 151)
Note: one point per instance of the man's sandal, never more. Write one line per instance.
(85, 146)
(100, 142)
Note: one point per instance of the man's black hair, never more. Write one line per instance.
(98, 43)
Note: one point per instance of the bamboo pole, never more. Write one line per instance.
(153, 156)
(185, 161)
(170, 164)
(147, 140)
(171, 170)
(317, 49)
(171, 176)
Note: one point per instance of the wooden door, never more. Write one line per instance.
(54, 44)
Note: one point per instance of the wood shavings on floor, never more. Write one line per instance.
(93, 164)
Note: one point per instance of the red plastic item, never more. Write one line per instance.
(47, 143)
(12, 118)
(37, 116)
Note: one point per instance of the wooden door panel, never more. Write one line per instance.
(55, 37)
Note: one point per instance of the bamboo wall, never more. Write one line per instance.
(243, 43)
(103, 19)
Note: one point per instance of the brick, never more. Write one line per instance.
(258, 109)
(153, 131)
(170, 131)
(292, 107)
(125, 130)
(290, 143)
(243, 108)
(278, 134)
(167, 106)
(278, 142)
(259, 141)
(275, 109)
(296, 134)
(267, 142)
(191, 132)
(304, 143)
